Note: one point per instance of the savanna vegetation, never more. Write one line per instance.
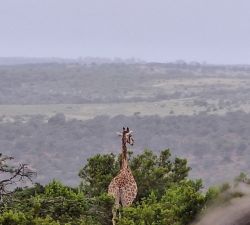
(214, 138)
(166, 196)
(57, 147)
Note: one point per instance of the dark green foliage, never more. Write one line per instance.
(155, 173)
(178, 206)
(98, 173)
(19, 218)
(28, 192)
(152, 172)
(13, 218)
(165, 195)
(56, 204)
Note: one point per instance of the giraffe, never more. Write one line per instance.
(123, 187)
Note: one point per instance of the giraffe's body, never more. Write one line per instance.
(123, 187)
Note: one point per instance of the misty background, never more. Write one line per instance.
(72, 73)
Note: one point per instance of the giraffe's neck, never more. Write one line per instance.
(124, 163)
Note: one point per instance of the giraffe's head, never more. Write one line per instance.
(126, 136)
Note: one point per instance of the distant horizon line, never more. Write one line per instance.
(128, 60)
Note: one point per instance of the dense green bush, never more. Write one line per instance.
(152, 172)
(56, 204)
(165, 195)
(178, 206)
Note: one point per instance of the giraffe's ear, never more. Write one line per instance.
(123, 128)
(119, 134)
(127, 129)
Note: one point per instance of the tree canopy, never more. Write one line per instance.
(166, 196)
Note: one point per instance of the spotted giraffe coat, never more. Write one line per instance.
(123, 187)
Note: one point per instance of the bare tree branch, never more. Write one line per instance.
(13, 175)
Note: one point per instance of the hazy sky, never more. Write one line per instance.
(216, 31)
